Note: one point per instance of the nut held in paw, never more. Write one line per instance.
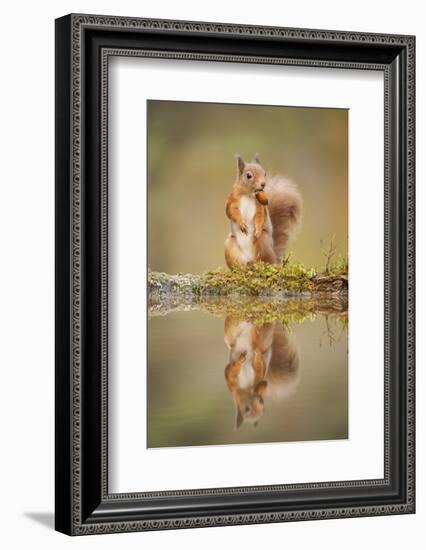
(261, 197)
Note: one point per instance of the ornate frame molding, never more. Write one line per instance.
(72, 47)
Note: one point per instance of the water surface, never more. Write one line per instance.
(232, 379)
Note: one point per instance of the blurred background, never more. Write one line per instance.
(192, 166)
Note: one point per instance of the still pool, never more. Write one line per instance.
(220, 380)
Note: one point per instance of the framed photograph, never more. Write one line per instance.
(234, 274)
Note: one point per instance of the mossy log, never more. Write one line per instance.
(261, 293)
(248, 283)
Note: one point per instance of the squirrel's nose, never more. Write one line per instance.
(262, 185)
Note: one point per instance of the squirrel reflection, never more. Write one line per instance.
(263, 364)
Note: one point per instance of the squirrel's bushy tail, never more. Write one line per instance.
(285, 210)
(284, 371)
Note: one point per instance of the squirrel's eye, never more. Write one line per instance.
(249, 175)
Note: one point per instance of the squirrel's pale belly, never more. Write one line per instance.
(245, 241)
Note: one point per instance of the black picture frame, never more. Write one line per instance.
(83, 45)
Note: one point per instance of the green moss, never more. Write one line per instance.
(338, 267)
(259, 278)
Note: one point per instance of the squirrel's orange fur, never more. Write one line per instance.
(263, 212)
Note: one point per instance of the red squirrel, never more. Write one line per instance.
(263, 211)
(263, 365)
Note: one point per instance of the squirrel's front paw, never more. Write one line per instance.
(258, 232)
(243, 227)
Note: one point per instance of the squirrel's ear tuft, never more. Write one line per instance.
(241, 164)
(257, 159)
